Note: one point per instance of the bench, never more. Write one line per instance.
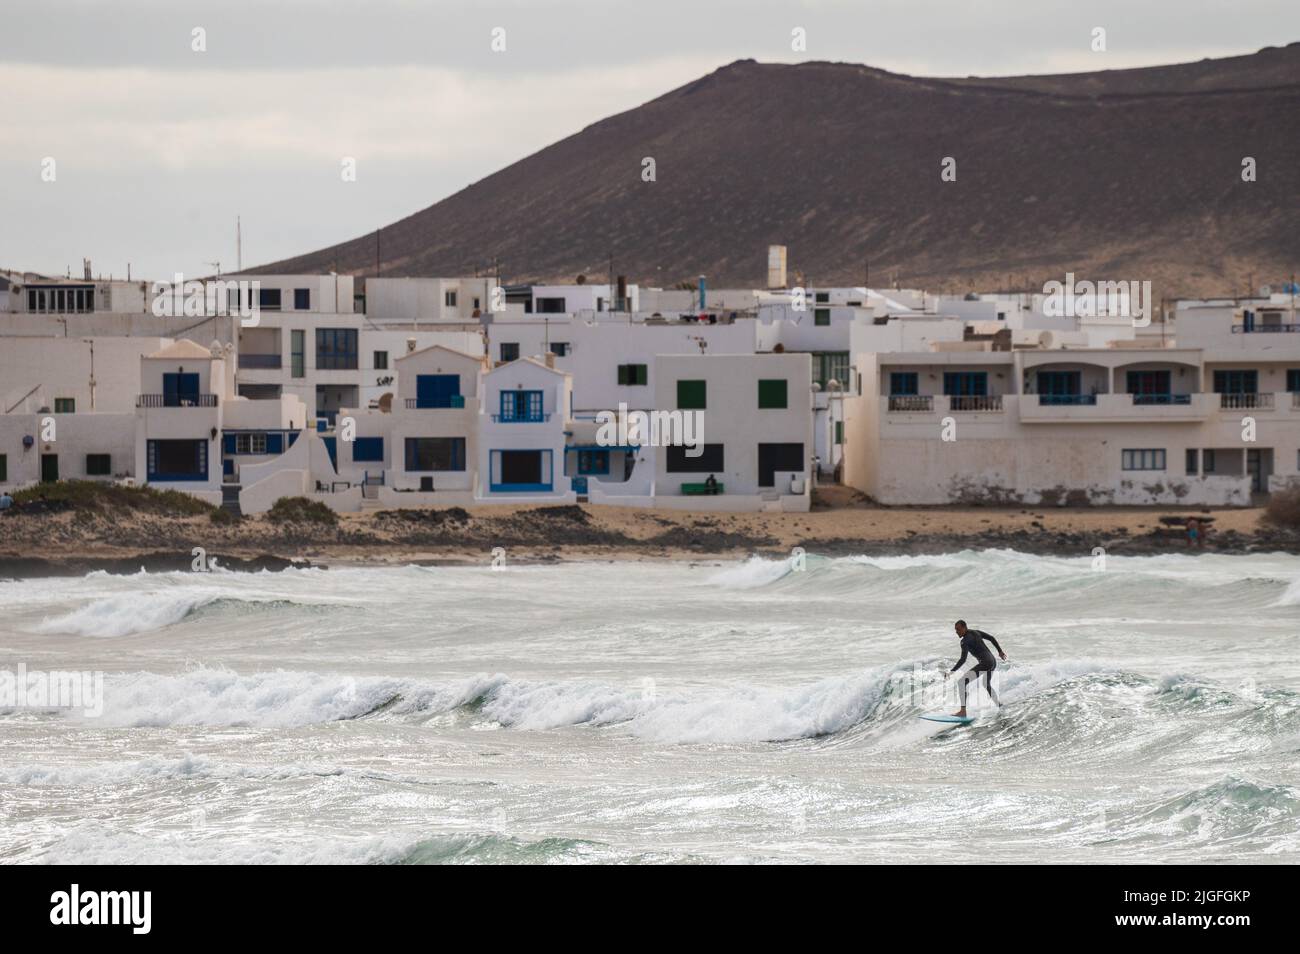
(700, 489)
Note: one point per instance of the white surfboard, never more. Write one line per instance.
(959, 720)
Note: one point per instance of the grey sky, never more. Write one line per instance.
(159, 147)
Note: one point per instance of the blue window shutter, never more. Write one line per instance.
(228, 443)
(275, 443)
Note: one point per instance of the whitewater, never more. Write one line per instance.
(759, 711)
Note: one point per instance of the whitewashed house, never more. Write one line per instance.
(525, 414)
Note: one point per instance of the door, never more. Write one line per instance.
(49, 468)
(1149, 387)
(1259, 465)
(521, 467)
(436, 390)
(1059, 387)
(180, 390)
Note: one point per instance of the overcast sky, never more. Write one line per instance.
(157, 147)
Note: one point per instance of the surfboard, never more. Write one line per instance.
(959, 720)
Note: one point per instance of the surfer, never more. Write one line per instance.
(972, 643)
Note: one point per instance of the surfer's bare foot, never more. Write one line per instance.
(960, 713)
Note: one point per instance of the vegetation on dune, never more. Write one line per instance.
(301, 510)
(90, 496)
(1283, 509)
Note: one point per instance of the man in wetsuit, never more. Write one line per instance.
(972, 643)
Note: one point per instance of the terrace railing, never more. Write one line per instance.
(975, 402)
(1245, 400)
(911, 402)
(176, 400)
(1162, 399)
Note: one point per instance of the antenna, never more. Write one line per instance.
(239, 245)
(216, 265)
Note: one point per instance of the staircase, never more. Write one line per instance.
(230, 499)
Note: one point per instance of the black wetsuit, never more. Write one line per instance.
(973, 644)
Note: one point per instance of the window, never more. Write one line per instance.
(772, 393)
(65, 405)
(336, 349)
(1143, 459)
(4, 468)
(302, 299)
(381, 360)
(966, 383)
(1293, 379)
(1059, 384)
(98, 465)
(631, 374)
(297, 352)
(1193, 461)
(268, 299)
(438, 390)
(519, 470)
(709, 462)
(510, 351)
(823, 298)
(550, 306)
(774, 457)
(593, 462)
(1236, 382)
(559, 348)
(434, 453)
(831, 366)
(692, 395)
(449, 299)
(903, 383)
(1207, 458)
(250, 443)
(839, 432)
(821, 316)
(368, 449)
(521, 406)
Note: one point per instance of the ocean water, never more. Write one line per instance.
(654, 712)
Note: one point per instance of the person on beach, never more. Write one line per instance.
(972, 644)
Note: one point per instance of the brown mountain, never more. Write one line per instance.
(1123, 174)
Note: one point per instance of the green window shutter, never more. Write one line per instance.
(772, 393)
(839, 432)
(623, 370)
(691, 395)
(821, 316)
(4, 468)
(640, 376)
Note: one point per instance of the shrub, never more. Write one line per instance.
(105, 498)
(1283, 509)
(301, 510)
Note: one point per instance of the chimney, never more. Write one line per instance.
(776, 266)
(550, 359)
(85, 268)
(621, 301)
(410, 345)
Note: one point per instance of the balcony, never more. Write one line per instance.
(974, 403)
(1053, 400)
(1245, 401)
(446, 401)
(260, 362)
(1115, 408)
(915, 403)
(176, 400)
(530, 418)
(1272, 328)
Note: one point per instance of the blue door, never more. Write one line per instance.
(180, 390)
(436, 390)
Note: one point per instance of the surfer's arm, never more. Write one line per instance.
(959, 661)
(990, 639)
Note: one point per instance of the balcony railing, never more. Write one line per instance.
(1245, 400)
(254, 361)
(1052, 399)
(1295, 399)
(975, 402)
(533, 418)
(450, 400)
(1257, 329)
(1162, 399)
(911, 402)
(176, 400)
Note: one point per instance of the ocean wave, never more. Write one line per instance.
(126, 614)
